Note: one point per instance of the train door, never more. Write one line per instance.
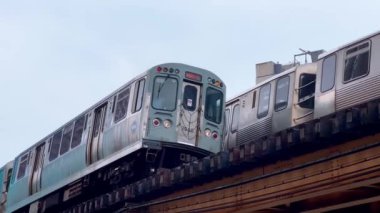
(35, 179)
(189, 114)
(93, 147)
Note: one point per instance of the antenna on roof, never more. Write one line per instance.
(313, 55)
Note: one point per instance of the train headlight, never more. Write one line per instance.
(167, 123)
(156, 122)
(215, 135)
(208, 132)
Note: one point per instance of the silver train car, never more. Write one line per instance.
(341, 79)
(170, 114)
(280, 102)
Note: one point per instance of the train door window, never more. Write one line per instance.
(122, 104)
(328, 73)
(139, 94)
(190, 98)
(282, 93)
(356, 62)
(54, 149)
(22, 166)
(264, 98)
(78, 130)
(235, 118)
(66, 139)
(306, 91)
(165, 93)
(214, 105)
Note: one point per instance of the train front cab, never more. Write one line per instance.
(348, 76)
(186, 107)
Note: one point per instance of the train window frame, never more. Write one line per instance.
(78, 132)
(328, 73)
(235, 117)
(354, 53)
(67, 136)
(264, 113)
(154, 102)
(55, 145)
(122, 101)
(305, 98)
(278, 106)
(190, 95)
(138, 95)
(215, 105)
(23, 164)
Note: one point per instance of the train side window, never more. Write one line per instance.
(264, 98)
(54, 150)
(235, 118)
(328, 73)
(282, 93)
(139, 94)
(78, 130)
(122, 104)
(22, 166)
(66, 139)
(189, 101)
(254, 99)
(306, 91)
(356, 62)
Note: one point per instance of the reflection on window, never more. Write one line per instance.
(357, 62)
(54, 150)
(78, 130)
(328, 73)
(23, 164)
(235, 118)
(282, 93)
(139, 93)
(214, 105)
(264, 97)
(165, 93)
(122, 105)
(190, 98)
(66, 139)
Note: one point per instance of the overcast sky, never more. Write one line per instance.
(57, 58)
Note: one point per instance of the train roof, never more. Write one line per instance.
(290, 70)
(348, 44)
(98, 103)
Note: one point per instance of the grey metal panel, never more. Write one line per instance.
(255, 131)
(357, 93)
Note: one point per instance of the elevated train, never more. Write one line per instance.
(170, 114)
(157, 130)
(346, 77)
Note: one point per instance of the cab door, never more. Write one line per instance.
(93, 147)
(189, 114)
(35, 179)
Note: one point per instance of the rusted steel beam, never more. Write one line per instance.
(325, 178)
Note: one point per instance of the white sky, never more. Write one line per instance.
(57, 58)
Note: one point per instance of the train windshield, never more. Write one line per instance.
(214, 105)
(165, 93)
